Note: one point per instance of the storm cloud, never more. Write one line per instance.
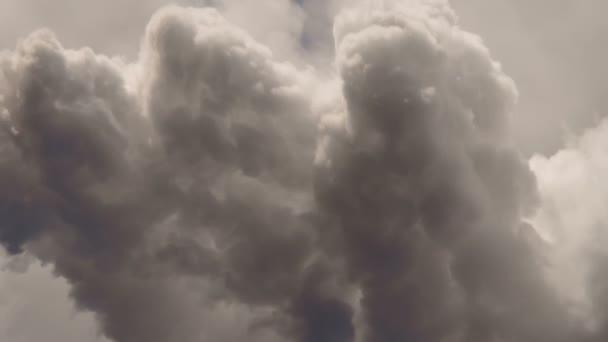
(210, 190)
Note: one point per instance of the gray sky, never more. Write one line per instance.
(556, 52)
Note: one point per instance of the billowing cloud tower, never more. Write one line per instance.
(210, 192)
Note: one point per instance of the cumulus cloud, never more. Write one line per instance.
(573, 220)
(211, 191)
(421, 183)
(139, 182)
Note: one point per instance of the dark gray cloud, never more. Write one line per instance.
(209, 192)
(137, 180)
(425, 190)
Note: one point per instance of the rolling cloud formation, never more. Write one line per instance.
(209, 191)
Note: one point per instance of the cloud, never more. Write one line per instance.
(209, 190)
(144, 180)
(423, 188)
(573, 219)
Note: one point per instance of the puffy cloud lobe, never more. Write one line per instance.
(256, 151)
(417, 175)
(235, 128)
(572, 219)
(61, 130)
(141, 183)
(69, 112)
(211, 78)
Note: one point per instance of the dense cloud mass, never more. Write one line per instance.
(141, 183)
(421, 183)
(209, 191)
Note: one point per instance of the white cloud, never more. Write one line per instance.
(574, 219)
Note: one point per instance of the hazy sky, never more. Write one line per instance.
(303, 171)
(555, 51)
